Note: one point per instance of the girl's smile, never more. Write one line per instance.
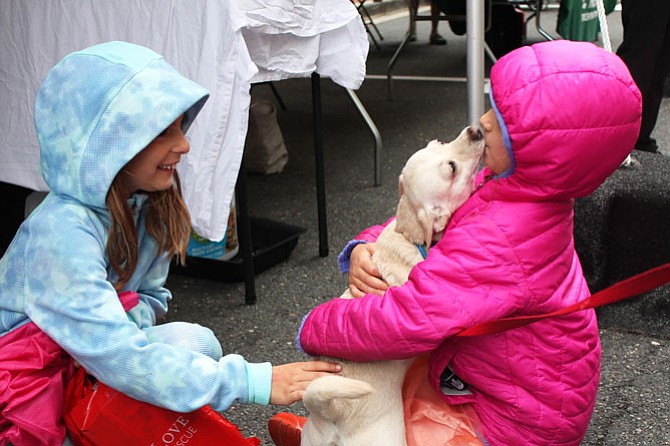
(153, 168)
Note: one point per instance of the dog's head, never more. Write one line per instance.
(435, 181)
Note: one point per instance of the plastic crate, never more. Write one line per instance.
(272, 243)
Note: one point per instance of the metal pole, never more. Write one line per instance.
(375, 134)
(474, 22)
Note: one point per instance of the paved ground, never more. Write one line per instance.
(634, 397)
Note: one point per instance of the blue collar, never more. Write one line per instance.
(422, 250)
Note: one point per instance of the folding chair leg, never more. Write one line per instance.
(365, 13)
(369, 23)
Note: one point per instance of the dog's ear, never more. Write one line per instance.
(408, 222)
(433, 221)
(427, 222)
(419, 225)
(441, 216)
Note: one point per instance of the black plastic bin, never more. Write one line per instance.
(272, 243)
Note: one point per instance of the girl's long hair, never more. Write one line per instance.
(167, 220)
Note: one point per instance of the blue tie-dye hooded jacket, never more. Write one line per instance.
(95, 110)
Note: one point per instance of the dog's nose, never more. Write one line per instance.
(474, 133)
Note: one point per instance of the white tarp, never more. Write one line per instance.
(223, 45)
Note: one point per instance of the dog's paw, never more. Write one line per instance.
(331, 387)
(330, 397)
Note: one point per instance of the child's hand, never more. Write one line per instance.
(364, 277)
(289, 381)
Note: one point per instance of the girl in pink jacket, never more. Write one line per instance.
(564, 116)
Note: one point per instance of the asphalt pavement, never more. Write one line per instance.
(634, 396)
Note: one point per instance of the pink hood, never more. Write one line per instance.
(570, 109)
(572, 113)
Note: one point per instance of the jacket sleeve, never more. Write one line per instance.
(154, 297)
(367, 236)
(465, 280)
(370, 234)
(69, 297)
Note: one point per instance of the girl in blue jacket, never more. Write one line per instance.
(82, 281)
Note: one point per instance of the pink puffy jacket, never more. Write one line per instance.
(572, 114)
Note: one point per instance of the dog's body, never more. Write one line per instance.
(363, 405)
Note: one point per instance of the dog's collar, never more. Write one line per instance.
(422, 250)
(487, 178)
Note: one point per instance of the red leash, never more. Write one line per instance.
(633, 286)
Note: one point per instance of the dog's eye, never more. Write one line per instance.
(452, 166)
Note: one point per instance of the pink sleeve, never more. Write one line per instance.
(464, 281)
(370, 234)
(367, 236)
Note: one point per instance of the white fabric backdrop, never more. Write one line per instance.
(222, 44)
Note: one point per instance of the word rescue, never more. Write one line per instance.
(179, 434)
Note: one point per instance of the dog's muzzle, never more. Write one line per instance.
(474, 133)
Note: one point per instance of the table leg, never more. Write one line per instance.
(319, 159)
(244, 236)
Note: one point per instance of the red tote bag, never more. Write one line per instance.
(97, 415)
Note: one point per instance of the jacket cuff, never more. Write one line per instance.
(297, 338)
(345, 255)
(259, 382)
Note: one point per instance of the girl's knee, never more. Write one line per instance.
(185, 335)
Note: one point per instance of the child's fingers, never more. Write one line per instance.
(322, 366)
(364, 276)
(371, 285)
(356, 292)
(376, 285)
(289, 381)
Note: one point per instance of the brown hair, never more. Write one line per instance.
(167, 220)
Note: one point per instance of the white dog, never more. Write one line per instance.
(364, 406)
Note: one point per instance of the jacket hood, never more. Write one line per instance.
(99, 107)
(570, 114)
